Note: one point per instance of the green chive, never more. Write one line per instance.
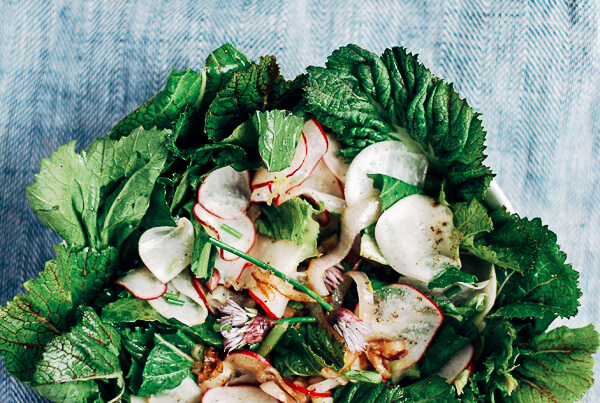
(231, 231)
(175, 301)
(327, 306)
(299, 319)
(171, 295)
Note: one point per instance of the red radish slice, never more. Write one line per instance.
(337, 165)
(248, 359)
(279, 183)
(354, 219)
(230, 270)
(184, 284)
(212, 300)
(307, 392)
(404, 313)
(187, 392)
(417, 237)
(389, 158)
(190, 313)
(239, 232)
(166, 251)
(202, 293)
(225, 192)
(237, 394)
(143, 284)
(457, 363)
(321, 187)
(283, 255)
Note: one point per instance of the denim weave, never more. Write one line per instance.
(69, 70)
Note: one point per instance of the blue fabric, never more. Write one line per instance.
(69, 70)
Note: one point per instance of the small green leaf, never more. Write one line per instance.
(392, 189)
(278, 133)
(451, 276)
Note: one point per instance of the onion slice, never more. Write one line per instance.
(366, 304)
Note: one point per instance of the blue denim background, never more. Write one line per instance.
(71, 69)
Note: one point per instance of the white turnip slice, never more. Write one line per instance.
(354, 219)
(237, 394)
(388, 158)
(225, 192)
(337, 165)
(166, 251)
(143, 284)
(187, 392)
(417, 237)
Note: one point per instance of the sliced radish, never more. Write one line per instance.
(225, 192)
(389, 158)
(278, 183)
(230, 270)
(239, 232)
(307, 392)
(337, 165)
(457, 363)
(166, 251)
(212, 300)
(143, 284)
(187, 392)
(417, 237)
(404, 313)
(321, 187)
(283, 255)
(354, 219)
(190, 313)
(237, 394)
(184, 284)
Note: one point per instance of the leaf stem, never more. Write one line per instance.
(273, 270)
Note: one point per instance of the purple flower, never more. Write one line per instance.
(241, 326)
(333, 277)
(352, 329)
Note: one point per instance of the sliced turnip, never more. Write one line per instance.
(189, 313)
(353, 220)
(230, 270)
(238, 232)
(272, 389)
(225, 192)
(496, 199)
(417, 237)
(389, 158)
(404, 313)
(237, 394)
(278, 183)
(187, 392)
(166, 251)
(143, 284)
(320, 187)
(337, 165)
(457, 363)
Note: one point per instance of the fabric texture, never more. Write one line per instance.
(69, 70)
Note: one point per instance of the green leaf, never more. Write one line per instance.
(307, 349)
(158, 213)
(99, 197)
(293, 221)
(129, 310)
(87, 353)
(556, 366)
(168, 364)
(542, 276)
(259, 88)
(203, 253)
(222, 64)
(32, 320)
(183, 89)
(434, 389)
(365, 99)
(451, 276)
(392, 189)
(363, 376)
(278, 134)
(471, 219)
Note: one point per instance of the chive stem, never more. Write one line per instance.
(175, 301)
(299, 319)
(273, 270)
(231, 231)
(171, 295)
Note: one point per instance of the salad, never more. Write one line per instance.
(331, 238)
